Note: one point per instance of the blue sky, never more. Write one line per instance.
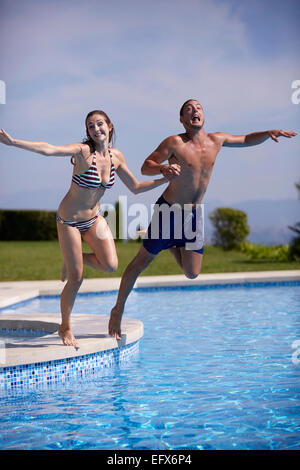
(139, 61)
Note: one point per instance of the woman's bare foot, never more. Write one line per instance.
(68, 338)
(114, 325)
(63, 273)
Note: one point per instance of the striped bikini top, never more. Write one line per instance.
(90, 178)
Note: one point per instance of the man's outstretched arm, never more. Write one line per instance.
(254, 138)
(153, 165)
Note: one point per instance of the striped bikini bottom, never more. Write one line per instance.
(81, 226)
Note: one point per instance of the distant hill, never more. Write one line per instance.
(268, 220)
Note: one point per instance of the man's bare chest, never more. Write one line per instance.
(199, 160)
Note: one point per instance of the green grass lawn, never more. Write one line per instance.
(42, 260)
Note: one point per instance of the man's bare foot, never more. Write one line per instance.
(63, 273)
(68, 338)
(114, 325)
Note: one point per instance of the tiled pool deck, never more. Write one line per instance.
(44, 359)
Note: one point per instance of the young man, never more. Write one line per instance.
(191, 157)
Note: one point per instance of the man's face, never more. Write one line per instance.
(192, 115)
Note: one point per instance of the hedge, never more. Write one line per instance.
(27, 225)
(267, 253)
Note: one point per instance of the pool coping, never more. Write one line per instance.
(18, 291)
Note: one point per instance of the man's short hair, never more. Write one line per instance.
(182, 107)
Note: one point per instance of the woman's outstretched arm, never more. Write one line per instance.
(129, 179)
(41, 147)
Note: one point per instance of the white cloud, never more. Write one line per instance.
(139, 61)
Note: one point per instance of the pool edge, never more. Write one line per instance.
(19, 291)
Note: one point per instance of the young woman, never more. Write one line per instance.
(95, 164)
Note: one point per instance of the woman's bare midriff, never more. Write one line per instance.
(80, 203)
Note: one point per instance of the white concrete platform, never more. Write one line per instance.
(89, 330)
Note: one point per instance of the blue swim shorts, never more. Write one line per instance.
(178, 227)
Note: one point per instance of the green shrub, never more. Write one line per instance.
(27, 225)
(262, 252)
(231, 227)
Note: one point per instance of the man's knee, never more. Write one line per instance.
(191, 264)
(191, 274)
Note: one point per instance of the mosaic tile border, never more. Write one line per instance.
(61, 370)
(225, 285)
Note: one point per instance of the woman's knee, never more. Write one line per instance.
(111, 267)
(75, 279)
(108, 265)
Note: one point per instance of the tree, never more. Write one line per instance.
(119, 221)
(295, 242)
(231, 227)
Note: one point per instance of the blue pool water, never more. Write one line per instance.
(215, 371)
(16, 335)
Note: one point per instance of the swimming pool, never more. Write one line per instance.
(215, 371)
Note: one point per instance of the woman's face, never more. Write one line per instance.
(98, 128)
